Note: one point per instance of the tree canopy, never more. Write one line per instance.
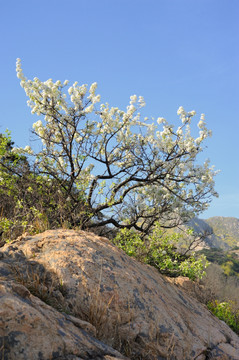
(123, 170)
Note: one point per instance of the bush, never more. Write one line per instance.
(160, 250)
(31, 201)
(226, 311)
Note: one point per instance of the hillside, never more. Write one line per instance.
(221, 232)
(227, 228)
(221, 242)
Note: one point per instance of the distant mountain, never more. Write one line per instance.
(227, 228)
(221, 242)
(220, 232)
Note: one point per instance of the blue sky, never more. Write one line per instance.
(172, 52)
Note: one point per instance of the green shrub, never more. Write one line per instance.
(227, 312)
(160, 250)
(32, 202)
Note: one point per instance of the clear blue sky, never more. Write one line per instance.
(173, 52)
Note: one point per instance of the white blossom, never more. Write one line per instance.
(161, 120)
(89, 109)
(133, 99)
(93, 87)
(141, 101)
(28, 150)
(201, 124)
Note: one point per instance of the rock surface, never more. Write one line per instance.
(31, 329)
(94, 290)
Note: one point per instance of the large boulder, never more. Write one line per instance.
(94, 290)
(31, 329)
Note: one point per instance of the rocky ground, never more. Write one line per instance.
(73, 295)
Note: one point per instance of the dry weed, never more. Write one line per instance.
(2, 350)
(114, 324)
(43, 284)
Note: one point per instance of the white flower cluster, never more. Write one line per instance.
(19, 150)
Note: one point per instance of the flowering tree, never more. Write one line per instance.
(121, 169)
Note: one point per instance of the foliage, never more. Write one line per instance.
(160, 250)
(11, 165)
(30, 201)
(226, 312)
(129, 173)
(11, 168)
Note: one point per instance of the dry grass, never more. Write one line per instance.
(103, 313)
(43, 284)
(114, 327)
(217, 286)
(2, 350)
